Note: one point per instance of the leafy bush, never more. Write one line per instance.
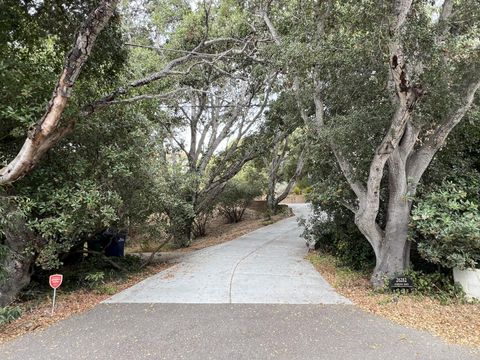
(106, 290)
(9, 314)
(284, 209)
(236, 196)
(200, 224)
(94, 279)
(177, 205)
(447, 222)
(65, 216)
(336, 234)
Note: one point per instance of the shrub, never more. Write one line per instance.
(9, 314)
(236, 196)
(95, 279)
(200, 224)
(65, 216)
(297, 190)
(335, 233)
(447, 224)
(106, 290)
(284, 209)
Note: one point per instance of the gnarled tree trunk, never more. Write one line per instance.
(16, 266)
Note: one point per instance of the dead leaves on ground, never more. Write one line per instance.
(455, 323)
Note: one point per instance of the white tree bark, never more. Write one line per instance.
(47, 131)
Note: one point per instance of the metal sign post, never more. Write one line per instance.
(53, 304)
(55, 281)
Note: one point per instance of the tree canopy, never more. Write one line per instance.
(145, 115)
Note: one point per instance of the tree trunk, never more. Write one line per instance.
(393, 250)
(16, 270)
(16, 266)
(272, 199)
(393, 255)
(271, 204)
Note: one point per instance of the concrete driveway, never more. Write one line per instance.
(252, 298)
(266, 266)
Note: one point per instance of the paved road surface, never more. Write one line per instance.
(252, 298)
(266, 266)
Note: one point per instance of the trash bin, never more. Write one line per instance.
(116, 246)
(99, 242)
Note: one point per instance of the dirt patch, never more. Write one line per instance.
(37, 316)
(456, 323)
(294, 199)
(219, 232)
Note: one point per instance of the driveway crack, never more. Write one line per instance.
(240, 261)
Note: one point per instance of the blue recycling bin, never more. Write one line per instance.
(116, 246)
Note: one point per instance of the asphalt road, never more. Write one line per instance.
(229, 331)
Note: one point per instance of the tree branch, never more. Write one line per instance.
(164, 96)
(46, 132)
(408, 95)
(421, 158)
(293, 179)
(104, 257)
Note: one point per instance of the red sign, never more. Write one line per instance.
(55, 280)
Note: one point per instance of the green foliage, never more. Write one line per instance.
(177, 205)
(238, 193)
(304, 183)
(34, 37)
(92, 181)
(447, 221)
(437, 285)
(64, 200)
(106, 289)
(9, 314)
(65, 216)
(3, 256)
(333, 232)
(284, 209)
(94, 279)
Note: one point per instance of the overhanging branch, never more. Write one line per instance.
(46, 132)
